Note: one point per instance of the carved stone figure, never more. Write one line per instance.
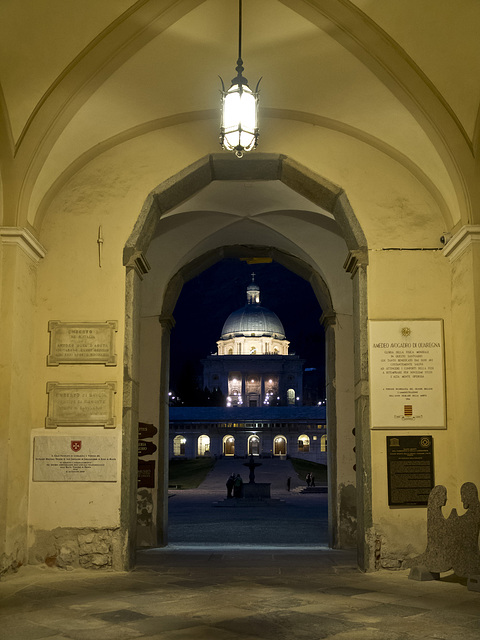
(452, 543)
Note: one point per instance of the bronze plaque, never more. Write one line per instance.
(146, 474)
(146, 448)
(410, 470)
(146, 430)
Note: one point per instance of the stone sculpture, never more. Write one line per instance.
(452, 543)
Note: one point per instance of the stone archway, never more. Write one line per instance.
(332, 199)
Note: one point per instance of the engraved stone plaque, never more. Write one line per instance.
(75, 459)
(410, 470)
(82, 343)
(81, 405)
(407, 379)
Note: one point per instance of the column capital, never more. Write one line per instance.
(138, 262)
(464, 238)
(355, 259)
(25, 240)
(167, 322)
(328, 319)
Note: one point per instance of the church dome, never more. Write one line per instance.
(252, 319)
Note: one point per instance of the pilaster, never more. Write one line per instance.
(20, 253)
(356, 264)
(167, 323)
(463, 252)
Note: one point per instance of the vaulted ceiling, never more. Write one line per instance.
(80, 78)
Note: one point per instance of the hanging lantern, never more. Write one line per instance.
(239, 128)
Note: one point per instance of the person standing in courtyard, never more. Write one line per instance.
(238, 486)
(230, 482)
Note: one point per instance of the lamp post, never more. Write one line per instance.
(239, 127)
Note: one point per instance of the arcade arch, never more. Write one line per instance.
(179, 443)
(253, 445)
(203, 445)
(166, 227)
(228, 445)
(280, 446)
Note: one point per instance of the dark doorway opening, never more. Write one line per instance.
(201, 516)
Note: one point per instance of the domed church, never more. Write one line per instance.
(252, 366)
(262, 386)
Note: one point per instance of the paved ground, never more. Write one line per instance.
(206, 517)
(219, 591)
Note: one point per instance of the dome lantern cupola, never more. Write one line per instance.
(253, 292)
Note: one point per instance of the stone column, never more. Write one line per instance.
(136, 268)
(149, 410)
(20, 253)
(356, 265)
(328, 322)
(166, 323)
(463, 382)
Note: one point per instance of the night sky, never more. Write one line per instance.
(207, 300)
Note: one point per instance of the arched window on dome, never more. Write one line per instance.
(290, 396)
(179, 443)
(303, 444)
(230, 352)
(253, 351)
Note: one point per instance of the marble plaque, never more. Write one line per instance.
(75, 459)
(81, 405)
(82, 343)
(407, 379)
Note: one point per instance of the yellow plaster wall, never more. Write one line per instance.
(417, 285)
(73, 287)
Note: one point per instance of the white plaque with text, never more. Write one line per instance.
(82, 343)
(407, 380)
(81, 404)
(75, 459)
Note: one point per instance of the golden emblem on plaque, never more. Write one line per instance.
(406, 331)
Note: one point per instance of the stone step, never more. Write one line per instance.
(323, 489)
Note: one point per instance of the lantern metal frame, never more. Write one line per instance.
(235, 134)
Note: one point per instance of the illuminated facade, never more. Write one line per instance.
(252, 367)
(272, 432)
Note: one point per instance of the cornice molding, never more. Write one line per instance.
(23, 239)
(461, 241)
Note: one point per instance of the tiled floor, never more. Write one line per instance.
(284, 585)
(226, 594)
